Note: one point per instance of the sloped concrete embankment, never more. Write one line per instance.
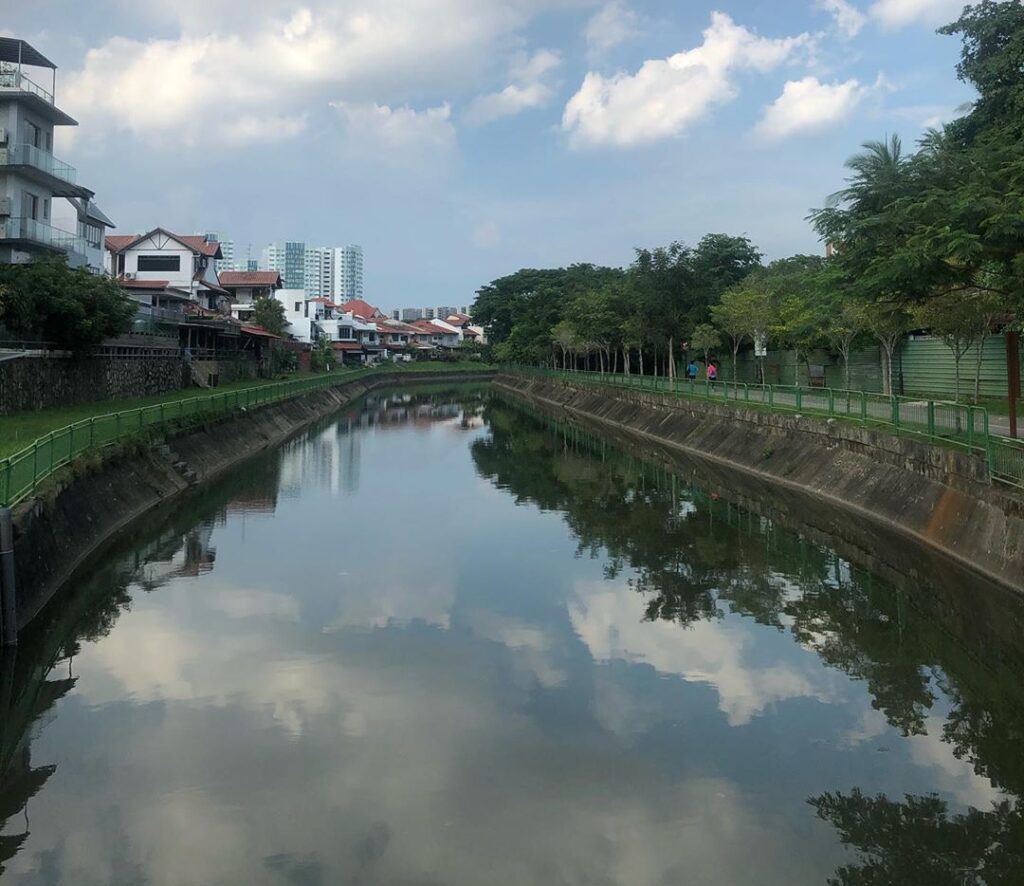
(875, 486)
(56, 533)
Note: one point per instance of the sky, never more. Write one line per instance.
(460, 140)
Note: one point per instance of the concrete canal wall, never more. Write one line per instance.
(901, 488)
(57, 532)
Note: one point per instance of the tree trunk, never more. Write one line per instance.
(977, 367)
(671, 357)
(735, 358)
(625, 360)
(641, 356)
(956, 376)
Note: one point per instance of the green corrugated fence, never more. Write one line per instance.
(21, 473)
(958, 425)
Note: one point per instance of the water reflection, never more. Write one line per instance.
(355, 662)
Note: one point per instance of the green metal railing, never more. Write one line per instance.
(22, 472)
(958, 425)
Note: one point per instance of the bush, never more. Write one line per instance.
(72, 308)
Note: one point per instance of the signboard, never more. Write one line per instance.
(760, 346)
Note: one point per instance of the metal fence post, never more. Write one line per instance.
(931, 419)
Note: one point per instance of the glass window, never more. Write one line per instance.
(159, 263)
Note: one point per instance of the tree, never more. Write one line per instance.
(730, 315)
(888, 323)
(564, 337)
(847, 322)
(992, 61)
(268, 313)
(322, 356)
(745, 310)
(962, 321)
(72, 308)
(705, 339)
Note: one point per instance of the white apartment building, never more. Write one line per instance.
(346, 273)
(227, 249)
(318, 271)
(36, 189)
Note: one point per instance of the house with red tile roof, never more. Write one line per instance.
(246, 287)
(363, 310)
(182, 264)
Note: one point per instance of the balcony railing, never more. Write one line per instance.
(29, 155)
(36, 231)
(15, 81)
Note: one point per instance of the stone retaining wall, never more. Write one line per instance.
(48, 379)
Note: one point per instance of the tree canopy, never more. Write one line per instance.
(72, 308)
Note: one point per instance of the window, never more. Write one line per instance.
(29, 205)
(298, 307)
(93, 235)
(345, 332)
(159, 263)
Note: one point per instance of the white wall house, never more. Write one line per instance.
(36, 187)
(167, 267)
(300, 326)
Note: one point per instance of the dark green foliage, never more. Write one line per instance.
(72, 308)
(598, 313)
(269, 313)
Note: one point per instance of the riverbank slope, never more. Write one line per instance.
(939, 497)
(56, 532)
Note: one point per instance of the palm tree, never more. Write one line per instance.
(879, 173)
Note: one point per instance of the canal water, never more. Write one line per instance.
(440, 640)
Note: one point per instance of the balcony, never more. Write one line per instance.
(15, 81)
(33, 232)
(29, 155)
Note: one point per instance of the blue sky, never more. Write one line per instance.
(459, 140)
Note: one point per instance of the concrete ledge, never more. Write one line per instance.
(57, 533)
(941, 498)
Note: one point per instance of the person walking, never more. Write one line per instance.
(712, 373)
(691, 370)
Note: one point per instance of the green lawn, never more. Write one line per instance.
(18, 430)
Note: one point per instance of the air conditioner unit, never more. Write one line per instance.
(129, 276)
(5, 206)
(3, 136)
(3, 230)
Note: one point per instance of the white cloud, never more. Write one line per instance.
(281, 66)
(606, 619)
(849, 19)
(897, 13)
(527, 91)
(611, 25)
(809, 105)
(394, 129)
(666, 95)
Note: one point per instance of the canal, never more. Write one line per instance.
(441, 640)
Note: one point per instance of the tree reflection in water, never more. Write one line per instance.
(171, 543)
(695, 555)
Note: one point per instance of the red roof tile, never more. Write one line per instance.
(362, 309)
(143, 284)
(195, 242)
(249, 278)
(258, 330)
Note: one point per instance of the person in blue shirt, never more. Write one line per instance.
(691, 370)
